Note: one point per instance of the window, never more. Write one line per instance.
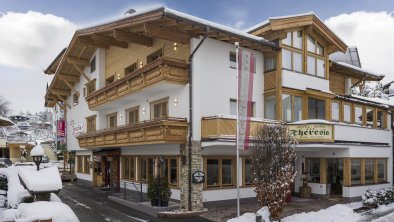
(315, 58)
(233, 60)
(79, 164)
(313, 170)
(84, 91)
(358, 115)
(86, 164)
(173, 172)
(93, 65)
(154, 56)
(347, 113)
(145, 168)
(292, 58)
(91, 87)
(130, 69)
(75, 99)
(370, 116)
(380, 119)
(159, 108)
(335, 111)
(270, 107)
(111, 120)
(269, 64)
(91, 124)
(369, 165)
(128, 166)
(316, 109)
(233, 107)
(248, 171)
(132, 115)
(382, 171)
(109, 80)
(220, 172)
(356, 171)
(291, 108)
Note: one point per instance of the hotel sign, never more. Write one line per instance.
(314, 132)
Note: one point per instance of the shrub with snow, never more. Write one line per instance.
(273, 157)
(374, 198)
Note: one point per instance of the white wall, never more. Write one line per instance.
(362, 134)
(358, 191)
(302, 81)
(227, 194)
(214, 82)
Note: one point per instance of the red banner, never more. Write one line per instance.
(61, 128)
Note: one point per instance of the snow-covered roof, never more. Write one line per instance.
(37, 151)
(265, 22)
(375, 100)
(383, 103)
(365, 71)
(311, 121)
(44, 180)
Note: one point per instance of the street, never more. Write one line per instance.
(91, 205)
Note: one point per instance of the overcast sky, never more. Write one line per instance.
(34, 32)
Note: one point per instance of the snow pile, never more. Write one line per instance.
(42, 210)
(374, 198)
(264, 214)
(16, 192)
(47, 179)
(37, 151)
(55, 198)
(246, 217)
(336, 213)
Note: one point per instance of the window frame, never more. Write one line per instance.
(316, 98)
(220, 172)
(244, 171)
(93, 64)
(308, 172)
(159, 102)
(350, 112)
(75, 99)
(90, 87)
(91, 123)
(130, 176)
(292, 106)
(108, 116)
(339, 111)
(135, 109)
(147, 167)
(363, 121)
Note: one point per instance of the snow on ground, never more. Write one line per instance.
(41, 210)
(246, 217)
(47, 179)
(387, 218)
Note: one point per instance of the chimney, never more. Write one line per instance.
(348, 86)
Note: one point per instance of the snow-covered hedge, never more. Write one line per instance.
(374, 198)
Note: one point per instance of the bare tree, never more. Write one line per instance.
(4, 107)
(273, 158)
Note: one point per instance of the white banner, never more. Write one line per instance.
(246, 66)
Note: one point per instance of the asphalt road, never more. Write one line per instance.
(91, 205)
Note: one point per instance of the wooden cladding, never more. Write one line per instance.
(166, 130)
(221, 127)
(157, 71)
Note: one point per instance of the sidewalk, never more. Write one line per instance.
(298, 205)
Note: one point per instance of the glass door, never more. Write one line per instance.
(335, 175)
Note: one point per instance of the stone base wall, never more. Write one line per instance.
(196, 160)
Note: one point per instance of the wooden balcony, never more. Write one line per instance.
(158, 131)
(217, 127)
(161, 70)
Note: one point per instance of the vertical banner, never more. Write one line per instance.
(246, 66)
(61, 128)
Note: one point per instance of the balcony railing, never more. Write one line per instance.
(162, 69)
(221, 127)
(158, 131)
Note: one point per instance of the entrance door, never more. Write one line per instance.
(335, 175)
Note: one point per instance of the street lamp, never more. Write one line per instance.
(36, 153)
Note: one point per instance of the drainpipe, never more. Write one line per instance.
(392, 143)
(191, 116)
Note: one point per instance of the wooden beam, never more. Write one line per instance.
(165, 33)
(132, 37)
(77, 61)
(110, 41)
(63, 100)
(81, 72)
(71, 87)
(86, 40)
(61, 92)
(69, 78)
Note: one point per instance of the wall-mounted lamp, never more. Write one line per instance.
(175, 102)
(120, 116)
(118, 76)
(143, 111)
(140, 64)
(175, 46)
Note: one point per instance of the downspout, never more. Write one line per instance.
(392, 144)
(191, 116)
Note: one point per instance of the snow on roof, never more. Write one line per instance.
(277, 17)
(42, 210)
(37, 151)
(311, 121)
(169, 11)
(375, 100)
(16, 192)
(359, 69)
(44, 180)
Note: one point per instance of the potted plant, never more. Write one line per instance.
(152, 192)
(165, 192)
